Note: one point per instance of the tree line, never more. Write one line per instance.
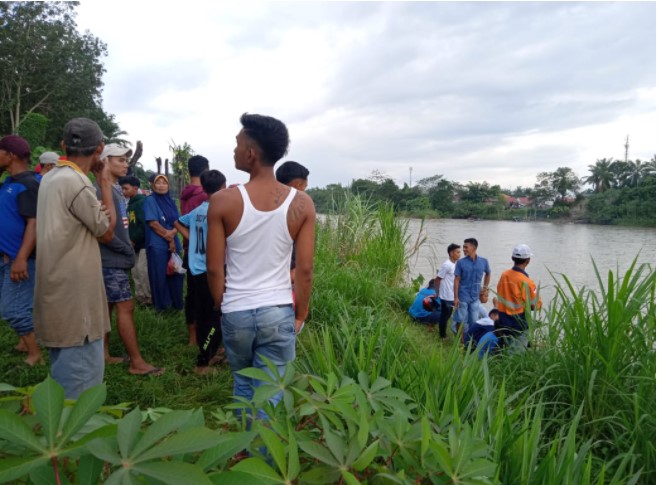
(613, 192)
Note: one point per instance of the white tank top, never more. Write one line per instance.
(258, 255)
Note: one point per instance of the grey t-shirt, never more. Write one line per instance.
(118, 253)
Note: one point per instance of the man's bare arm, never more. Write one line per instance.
(216, 250)
(105, 183)
(181, 229)
(486, 280)
(305, 252)
(436, 283)
(457, 283)
(18, 271)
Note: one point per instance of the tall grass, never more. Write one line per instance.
(578, 407)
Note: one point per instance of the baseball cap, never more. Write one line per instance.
(521, 251)
(48, 158)
(82, 133)
(115, 150)
(16, 145)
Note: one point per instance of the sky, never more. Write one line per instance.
(476, 91)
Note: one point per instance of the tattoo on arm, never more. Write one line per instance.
(298, 208)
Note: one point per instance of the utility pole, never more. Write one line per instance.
(627, 146)
(410, 177)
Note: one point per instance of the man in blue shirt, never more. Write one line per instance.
(467, 284)
(194, 227)
(18, 203)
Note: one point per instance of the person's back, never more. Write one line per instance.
(70, 312)
(252, 228)
(69, 248)
(258, 254)
(193, 194)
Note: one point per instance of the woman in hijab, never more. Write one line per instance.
(160, 212)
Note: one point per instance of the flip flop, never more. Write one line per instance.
(155, 371)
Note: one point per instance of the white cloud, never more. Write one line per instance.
(475, 91)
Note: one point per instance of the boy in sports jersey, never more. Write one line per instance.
(118, 257)
(18, 206)
(194, 228)
(252, 228)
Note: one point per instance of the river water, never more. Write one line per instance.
(560, 249)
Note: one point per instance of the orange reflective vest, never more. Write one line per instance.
(514, 290)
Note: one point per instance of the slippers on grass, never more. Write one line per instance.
(155, 371)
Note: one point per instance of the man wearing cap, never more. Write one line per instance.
(70, 310)
(18, 207)
(517, 294)
(47, 161)
(118, 257)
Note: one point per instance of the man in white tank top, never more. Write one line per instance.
(252, 228)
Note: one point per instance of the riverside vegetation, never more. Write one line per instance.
(371, 398)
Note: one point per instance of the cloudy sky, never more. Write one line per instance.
(488, 91)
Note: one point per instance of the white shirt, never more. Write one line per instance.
(446, 274)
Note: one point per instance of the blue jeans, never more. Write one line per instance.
(250, 335)
(77, 369)
(16, 298)
(467, 313)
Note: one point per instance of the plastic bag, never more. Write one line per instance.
(175, 265)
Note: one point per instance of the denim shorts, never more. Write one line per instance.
(77, 369)
(16, 298)
(117, 285)
(251, 335)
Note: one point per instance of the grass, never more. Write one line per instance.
(578, 407)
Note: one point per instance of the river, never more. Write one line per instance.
(566, 249)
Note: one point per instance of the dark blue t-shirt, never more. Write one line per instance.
(18, 202)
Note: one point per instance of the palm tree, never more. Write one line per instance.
(602, 175)
(633, 173)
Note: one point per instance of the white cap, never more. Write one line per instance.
(48, 158)
(521, 251)
(115, 150)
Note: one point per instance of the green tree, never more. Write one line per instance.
(47, 66)
(634, 172)
(602, 175)
(181, 155)
(560, 182)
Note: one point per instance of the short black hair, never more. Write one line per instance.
(151, 177)
(452, 247)
(197, 165)
(269, 134)
(472, 241)
(520, 260)
(290, 170)
(130, 180)
(494, 311)
(212, 181)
